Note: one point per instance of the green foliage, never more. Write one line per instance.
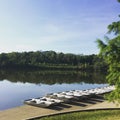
(114, 27)
(118, 0)
(48, 59)
(110, 52)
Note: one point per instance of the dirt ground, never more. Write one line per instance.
(27, 111)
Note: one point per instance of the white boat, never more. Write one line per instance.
(60, 95)
(39, 102)
(54, 96)
(67, 96)
(52, 100)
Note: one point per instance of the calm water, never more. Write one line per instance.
(16, 86)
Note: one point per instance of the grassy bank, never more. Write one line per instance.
(93, 115)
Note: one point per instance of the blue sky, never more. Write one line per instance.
(69, 26)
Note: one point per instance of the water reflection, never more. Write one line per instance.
(16, 86)
(52, 77)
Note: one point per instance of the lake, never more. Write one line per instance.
(17, 86)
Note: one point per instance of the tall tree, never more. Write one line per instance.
(110, 51)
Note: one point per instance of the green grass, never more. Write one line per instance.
(92, 115)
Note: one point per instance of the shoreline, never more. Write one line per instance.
(27, 112)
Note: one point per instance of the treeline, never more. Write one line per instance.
(50, 59)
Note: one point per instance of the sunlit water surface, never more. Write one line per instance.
(14, 90)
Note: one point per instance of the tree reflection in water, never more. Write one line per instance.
(52, 77)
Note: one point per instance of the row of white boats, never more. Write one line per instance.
(67, 96)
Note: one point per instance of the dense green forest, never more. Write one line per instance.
(51, 60)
